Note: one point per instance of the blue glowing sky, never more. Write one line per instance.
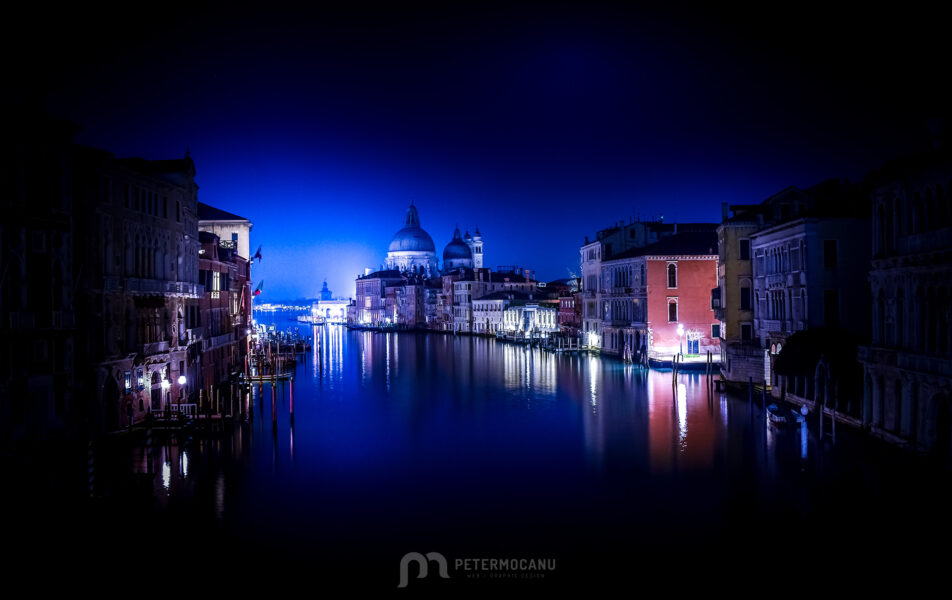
(540, 124)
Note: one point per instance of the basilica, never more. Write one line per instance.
(412, 250)
(415, 289)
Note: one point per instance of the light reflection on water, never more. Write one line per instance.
(418, 429)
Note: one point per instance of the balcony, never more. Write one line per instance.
(922, 242)
(922, 363)
(21, 319)
(194, 334)
(153, 286)
(775, 326)
(219, 340)
(906, 360)
(155, 348)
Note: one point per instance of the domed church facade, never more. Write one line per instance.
(412, 249)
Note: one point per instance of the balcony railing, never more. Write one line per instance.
(155, 348)
(775, 326)
(219, 340)
(114, 283)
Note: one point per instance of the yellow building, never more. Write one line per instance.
(733, 300)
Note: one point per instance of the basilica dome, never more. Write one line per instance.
(457, 253)
(412, 238)
(412, 249)
(457, 248)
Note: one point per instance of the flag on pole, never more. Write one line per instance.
(258, 289)
(257, 254)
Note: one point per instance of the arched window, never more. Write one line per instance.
(672, 275)
(672, 311)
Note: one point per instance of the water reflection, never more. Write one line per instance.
(418, 429)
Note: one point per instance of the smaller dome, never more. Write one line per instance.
(457, 249)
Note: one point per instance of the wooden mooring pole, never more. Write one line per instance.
(274, 404)
(292, 401)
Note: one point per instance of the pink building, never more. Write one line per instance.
(679, 280)
(657, 299)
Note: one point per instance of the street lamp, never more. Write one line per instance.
(182, 381)
(166, 384)
(680, 336)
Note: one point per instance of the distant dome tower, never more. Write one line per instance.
(412, 249)
(326, 293)
(457, 254)
(476, 247)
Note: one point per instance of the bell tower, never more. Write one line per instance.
(476, 245)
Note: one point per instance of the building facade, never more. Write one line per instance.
(225, 310)
(907, 366)
(649, 297)
(138, 250)
(733, 298)
(372, 297)
(38, 393)
(232, 230)
(489, 311)
(810, 258)
(532, 319)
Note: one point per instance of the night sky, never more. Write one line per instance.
(538, 123)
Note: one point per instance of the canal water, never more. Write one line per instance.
(474, 449)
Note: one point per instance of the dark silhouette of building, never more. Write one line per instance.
(908, 364)
(137, 263)
(103, 318)
(37, 278)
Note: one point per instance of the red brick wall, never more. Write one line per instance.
(696, 278)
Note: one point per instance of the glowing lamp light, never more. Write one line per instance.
(165, 384)
(680, 329)
(181, 380)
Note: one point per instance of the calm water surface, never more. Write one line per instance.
(473, 448)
